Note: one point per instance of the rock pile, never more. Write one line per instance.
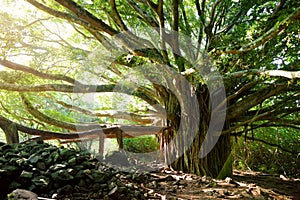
(54, 172)
(69, 174)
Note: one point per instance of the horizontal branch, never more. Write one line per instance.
(271, 73)
(268, 125)
(141, 118)
(57, 88)
(51, 121)
(23, 68)
(138, 92)
(282, 120)
(276, 112)
(282, 73)
(109, 132)
(245, 122)
(271, 144)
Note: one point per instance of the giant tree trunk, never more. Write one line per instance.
(183, 149)
(216, 164)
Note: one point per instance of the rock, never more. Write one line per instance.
(100, 177)
(61, 175)
(46, 169)
(41, 165)
(22, 162)
(140, 178)
(96, 186)
(56, 167)
(11, 155)
(67, 189)
(5, 147)
(66, 153)
(54, 157)
(87, 165)
(20, 194)
(24, 154)
(9, 170)
(26, 174)
(71, 171)
(40, 181)
(34, 158)
(81, 183)
(3, 160)
(54, 196)
(114, 193)
(80, 174)
(72, 161)
(45, 153)
(111, 185)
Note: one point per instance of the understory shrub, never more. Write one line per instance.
(142, 144)
(257, 156)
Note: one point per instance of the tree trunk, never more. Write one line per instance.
(183, 148)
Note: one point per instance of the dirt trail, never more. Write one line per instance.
(243, 185)
(282, 186)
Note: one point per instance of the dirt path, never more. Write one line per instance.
(243, 185)
(273, 183)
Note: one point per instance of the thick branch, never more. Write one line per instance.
(109, 132)
(252, 100)
(277, 113)
(271, 73)
(84, 15)
(209, 27)
(175, 41)
(57, 88)
(145, 16)
(175, 15)
(279, 7)
(152, 5)
(49, 120)
(77, 89)
(268, 124)
(144, 119)
(236, 95)
(117, 16)
(59, 14)
(26, 69)
(282, 73)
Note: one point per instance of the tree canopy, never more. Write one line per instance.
(51, 54)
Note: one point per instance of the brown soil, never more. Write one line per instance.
(243, 185)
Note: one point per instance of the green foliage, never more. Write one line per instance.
(143, 144)
(256, 156)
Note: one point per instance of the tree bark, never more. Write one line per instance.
(181, 153)
(11, 133)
